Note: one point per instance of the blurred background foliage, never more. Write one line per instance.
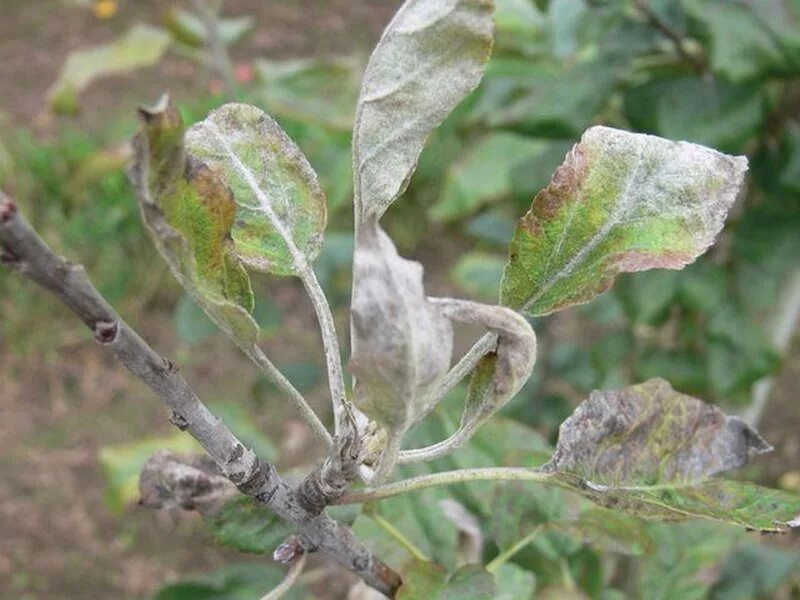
(725, 73)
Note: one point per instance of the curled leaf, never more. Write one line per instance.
(500, 374)
(189, 212)
(402, 343)
(429, 58)
(620, 202)
(650, 451)
(280, 206)
(191, 482)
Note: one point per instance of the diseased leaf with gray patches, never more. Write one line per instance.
(429, 58)
(620, 202)
(649, 450)
(281, 211)
(649, 434)
(189, 213)
(191, 482)
(402, 343)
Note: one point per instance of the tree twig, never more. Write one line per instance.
(24, 251)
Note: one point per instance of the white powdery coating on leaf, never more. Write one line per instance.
(429, 58)
(229, 139)
(662, 169)
(402, 342)
(662, 179)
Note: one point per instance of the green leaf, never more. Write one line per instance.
(754, 571)
(189, 213)
(620, 202)
(514, 583)
(479, 274)
(141, 46)
(470, 582)
(248, 526)
(189, 29)
(429, 581)
(685, 553)
(233, 582)
(122, 464)
(191, 323)
(429, 58)
(311, 91)
(483, 174)
(646, 297)
(544, 99)
(422, 581)
(491, 227)
(704, 110)
(280, 206)
(650, 451)
(750, 39)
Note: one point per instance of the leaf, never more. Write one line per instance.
(470, 582)
(122, 464)
(685, 554)
(620, 202)
(402, 343)
(189, 213)
(479, 274)
(754, 571)
(311, 91)
(191, 323)
(141, 46)
(491, 227)
(752, 39)
(546, 100)
(646, 297)
(280, 207)
(650, 451)
(514, 583)
(248, 526)
(189, 481)
(704, 110)
(243, 581)
(429, 581)
(189, 29)
(429, 58)
(483, 174)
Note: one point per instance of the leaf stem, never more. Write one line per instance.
(289, 579)
(502, 558)
(272, 373)
(443, 478)
(209, 15)
(467, 363)
(398, 536)
(330, 341)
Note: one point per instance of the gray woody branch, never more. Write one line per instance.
(24, 251)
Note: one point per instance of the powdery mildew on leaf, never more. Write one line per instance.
(620, 202)
(649, 434)
(429, 58)
(649, 450)
(402, 341)
(281, 212)
(189, 213)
